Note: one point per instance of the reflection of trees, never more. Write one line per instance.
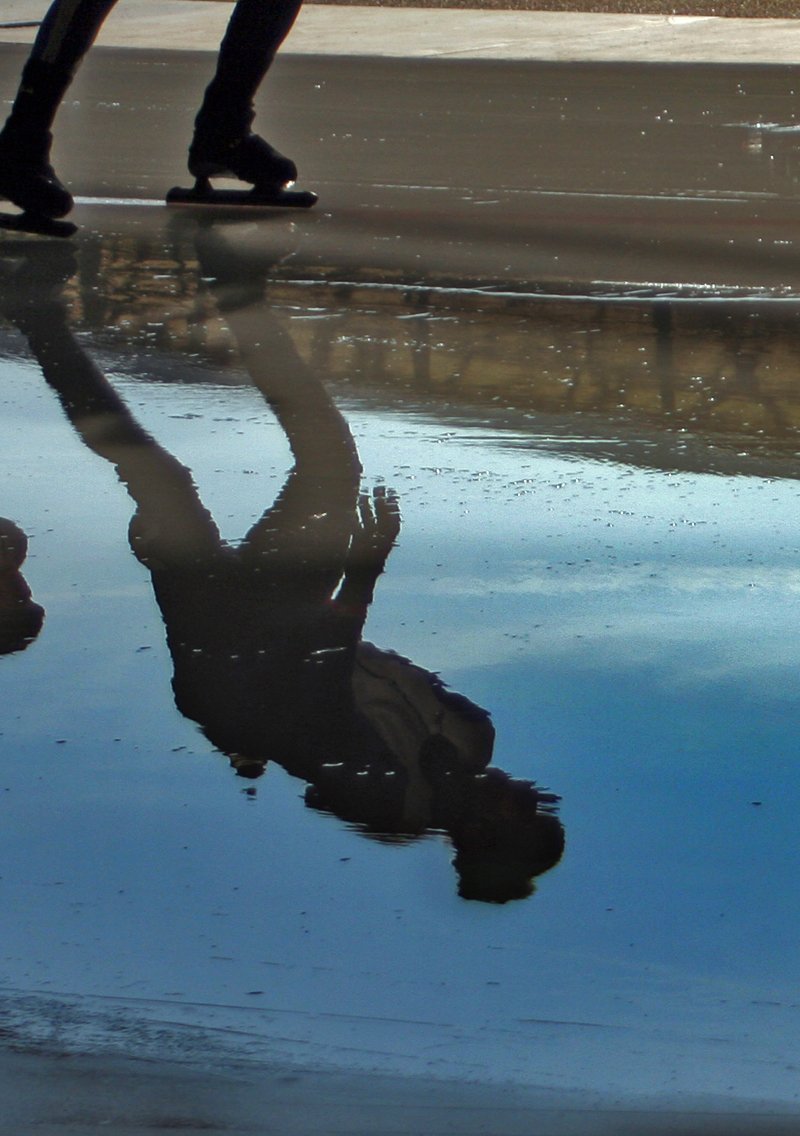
(266, 636)
(709, 367)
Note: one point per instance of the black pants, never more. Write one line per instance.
(256, 30)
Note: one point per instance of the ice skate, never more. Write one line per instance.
(28, 181)
(250, 159)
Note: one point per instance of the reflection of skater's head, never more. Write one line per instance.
(428, 770)
(20, 618)
(505, 833)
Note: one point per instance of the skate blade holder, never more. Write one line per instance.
(36, 224)
(204, 195)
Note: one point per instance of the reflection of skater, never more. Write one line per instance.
(223, 143)
(20, 618)
(266, 636)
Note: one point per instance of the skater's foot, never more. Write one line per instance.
(249, 159)
(29, 181)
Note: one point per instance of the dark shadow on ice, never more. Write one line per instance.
(266, 635)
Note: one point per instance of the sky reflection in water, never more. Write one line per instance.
(630, 627)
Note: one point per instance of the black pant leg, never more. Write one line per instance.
(256, 30)
(68, 31)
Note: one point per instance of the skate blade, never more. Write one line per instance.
(41, 226)
(249, 199)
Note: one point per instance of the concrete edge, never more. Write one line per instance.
(447, 33)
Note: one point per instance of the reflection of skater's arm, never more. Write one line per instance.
(379, 526)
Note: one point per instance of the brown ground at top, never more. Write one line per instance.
(759, 9)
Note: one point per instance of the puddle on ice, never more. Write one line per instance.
(594, 512)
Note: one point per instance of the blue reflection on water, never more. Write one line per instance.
(632, 632)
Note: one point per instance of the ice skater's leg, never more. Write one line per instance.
(223, 141)
(26, 176)
(68, 31)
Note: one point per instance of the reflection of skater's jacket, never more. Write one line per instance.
(262, 644)
(275, 683)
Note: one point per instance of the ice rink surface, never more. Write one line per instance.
(552, 308)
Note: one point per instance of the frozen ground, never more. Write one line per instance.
(598, 543)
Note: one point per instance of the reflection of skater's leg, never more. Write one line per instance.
(170, 526)
(311, 524)
(313, 520)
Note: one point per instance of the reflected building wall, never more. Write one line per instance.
(723, 367)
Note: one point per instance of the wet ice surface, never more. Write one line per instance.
(598, 544)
